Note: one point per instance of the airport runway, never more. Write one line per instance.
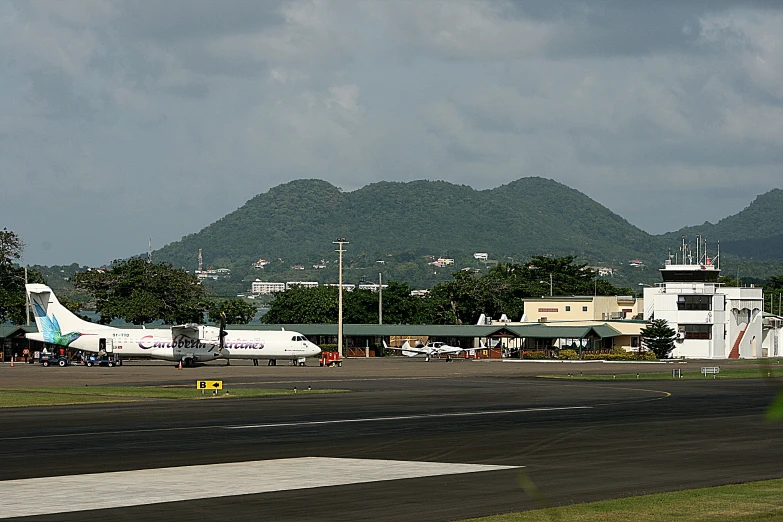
(556, 442)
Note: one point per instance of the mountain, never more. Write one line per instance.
(756, 232)
(402, 227)
(299, 220)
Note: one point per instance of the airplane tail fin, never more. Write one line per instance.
(51, 316)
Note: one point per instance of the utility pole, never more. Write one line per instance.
(380, 298)
(26, 298)
(550, 284)
(340, 241)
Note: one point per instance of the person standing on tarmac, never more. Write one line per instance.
(26, 354)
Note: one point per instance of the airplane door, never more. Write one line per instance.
(105, 345)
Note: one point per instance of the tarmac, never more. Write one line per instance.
(537, 442)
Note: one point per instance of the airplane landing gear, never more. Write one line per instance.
(272, 362)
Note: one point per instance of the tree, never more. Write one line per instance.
(11, 247)
(503, 289)
(12, 278)
(303, 305)
(237, 311)
(141, 292)
(658, 337)
(400, 307)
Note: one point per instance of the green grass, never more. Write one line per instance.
(16, 397)
(659, 376)
(742, 502)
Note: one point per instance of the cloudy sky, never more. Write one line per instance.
(121, 120)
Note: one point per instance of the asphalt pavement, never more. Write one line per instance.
(562, 441)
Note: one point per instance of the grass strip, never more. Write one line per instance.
(743, 373)
(57, 396)
(740, 502)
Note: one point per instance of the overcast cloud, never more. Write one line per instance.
(124, 120)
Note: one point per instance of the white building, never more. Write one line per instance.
(303, 284)
(773, 330)
(265, 287)
(372, 287)
(346, 286)
(481, 256)
(712, 321)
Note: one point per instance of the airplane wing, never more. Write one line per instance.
(189, 331)
(198, 333)
(449, 350)
(408, 350)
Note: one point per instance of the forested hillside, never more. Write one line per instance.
(399, 229)
(754, 233)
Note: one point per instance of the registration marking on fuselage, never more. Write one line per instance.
(118, 489)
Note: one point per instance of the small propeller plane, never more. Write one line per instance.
(428, 350)
(187, 343)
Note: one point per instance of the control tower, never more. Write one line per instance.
(712, 321)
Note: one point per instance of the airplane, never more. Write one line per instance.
(187, 343)
(429, 350)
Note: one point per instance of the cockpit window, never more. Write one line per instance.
(298, 338)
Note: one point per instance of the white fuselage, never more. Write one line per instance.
(187, 343)
(159, 344)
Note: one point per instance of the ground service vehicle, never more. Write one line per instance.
(100, 360)
(52, 359)
(330, 359)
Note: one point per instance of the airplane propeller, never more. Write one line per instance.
(223, 332)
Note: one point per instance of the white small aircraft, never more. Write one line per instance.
(188, 343)
(428, 350)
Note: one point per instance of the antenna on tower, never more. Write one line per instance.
(717, 257)
(149, 251)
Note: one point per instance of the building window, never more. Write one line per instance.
(584, 308)
(697, 331)
(694, 302)
(547, 310)
(568, 308)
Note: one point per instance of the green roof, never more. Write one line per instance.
(382, 330)
(537, 330)
(544, 331)
(13, 331)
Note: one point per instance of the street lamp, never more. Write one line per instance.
(340, 241)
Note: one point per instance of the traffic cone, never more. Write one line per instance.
(12, 362)
(180, 365)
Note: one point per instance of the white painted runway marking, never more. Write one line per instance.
(74, 493)
(306, 423)
(403, 417)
